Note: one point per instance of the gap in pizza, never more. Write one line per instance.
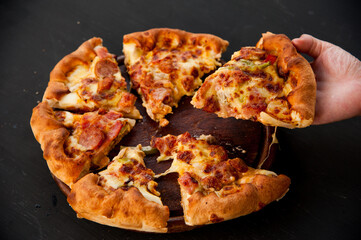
(213, 187)
(123, 195)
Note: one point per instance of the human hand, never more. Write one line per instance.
(338, 76)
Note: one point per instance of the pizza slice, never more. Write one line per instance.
(213, 187)
(270, 83)
(89, 79)
(166, 64)
(124, 195)
(75, 143)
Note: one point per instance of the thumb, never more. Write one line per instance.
(309, 45)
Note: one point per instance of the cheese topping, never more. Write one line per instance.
(167, 72)
(247, 86)
(204, 167)
(128, 170)
(95, 84)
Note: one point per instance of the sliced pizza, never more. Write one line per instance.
(166, 64)
(270, 83)
(213, 187)
(75, 143)
(89, 79)
(123, 195)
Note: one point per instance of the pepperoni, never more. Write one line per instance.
(164, 145)
(188, 182)
(115, 129)
(106, 68)
(211, 182)
(105, 84)
(238, 165)
(112, 115)
(91, 138)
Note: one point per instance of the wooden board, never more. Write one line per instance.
(248, 140)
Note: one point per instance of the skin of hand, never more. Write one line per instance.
(338, 77)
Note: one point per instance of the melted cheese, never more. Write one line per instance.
(114, 178)
(181, 68)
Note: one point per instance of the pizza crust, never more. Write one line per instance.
(158, 37)
(59, 95)
(58, 77)
(202, 209)
(166, 64)
(118, 208)
(52, 134)
(300, 77)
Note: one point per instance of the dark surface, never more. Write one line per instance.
(323, 162)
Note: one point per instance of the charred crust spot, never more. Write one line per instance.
(215, 219)
(293, 82)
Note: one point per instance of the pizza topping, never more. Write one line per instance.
(128, 170)
(91, 138)
(105, 84)
(166, 64)
(89, 81)
(271, 59)
(185, 156)
(188, 182)
(269, 78)
(106, 68)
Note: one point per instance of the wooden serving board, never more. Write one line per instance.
(248, 140)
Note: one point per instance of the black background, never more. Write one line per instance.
(323, 162)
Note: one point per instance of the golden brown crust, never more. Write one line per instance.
(202, 209)
(166, 64)
(58, 77)
(166, 37)
(119, 208)
(51, 134)
(298, 71)
(102, 74)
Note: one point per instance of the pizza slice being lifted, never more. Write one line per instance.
(123, 195)
(213, 187)
(270, 83)
(73, 144)
(89, 79)
(166, 64)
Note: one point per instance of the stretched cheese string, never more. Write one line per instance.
(274, 141)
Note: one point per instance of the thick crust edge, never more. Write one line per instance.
(51, 134)
(58, 77)
(148, 40)
(119, 208)
(206, 209)
(300, 75)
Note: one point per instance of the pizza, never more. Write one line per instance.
(270, 83)
(73, 144)
(166, 64)
(87, 110)
(89, 79)
(123, 195)
(213, 187)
